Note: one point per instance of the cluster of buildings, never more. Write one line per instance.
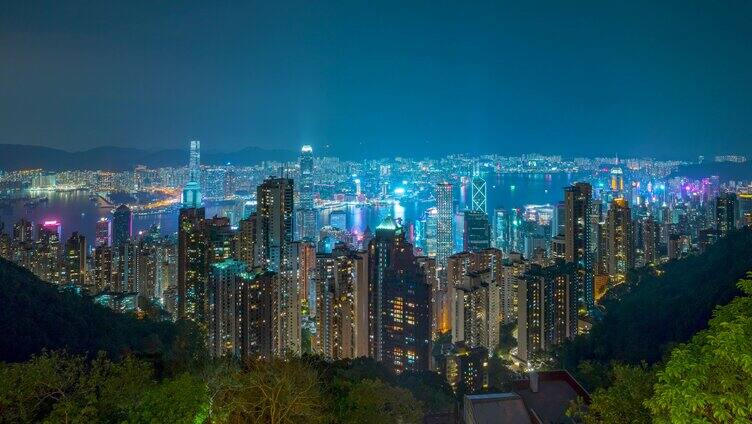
(302, 269)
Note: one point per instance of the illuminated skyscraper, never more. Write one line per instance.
(122, 225)
(477, 231)
(399, 302)
(194, 162)
(103, 270)
(547, 308)
(650, 235)
(620, 247)
(478, 194)
(75, 259)
(274, 236)
(476, 310)
(192, 190)
(103, 232)
(246, 239)
(725, 213)
(337, 325)
(577, 202)
(193, 264)
(22, 231)
(444, 223)
(222, 289)
(307, 211)
(46, 263)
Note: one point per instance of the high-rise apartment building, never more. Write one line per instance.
(75, 259)
(620, 245)
(725, 213)
(577, 234)
(444, 223)
(399, 302)
(547, 308)
(122, 225)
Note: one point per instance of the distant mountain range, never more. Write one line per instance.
(16, 156)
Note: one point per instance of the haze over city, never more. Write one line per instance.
(662, 79)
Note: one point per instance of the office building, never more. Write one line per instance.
(444, 223)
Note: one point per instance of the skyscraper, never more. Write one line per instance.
(620, 247)
(274, 222)
(307, 211)
(194, 161)
(650, 237)
(478, 193)
(221, 303)
(274, 236)
(725, 213)
(477, 232)
(103, 232)
(398, 302)
(193, 264)
(122, 225)
(577, 202)
(193, 245)
(337, 325)
(75, 259)
(444, 223)
(547, 308)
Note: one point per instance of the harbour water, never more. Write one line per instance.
(77, 212)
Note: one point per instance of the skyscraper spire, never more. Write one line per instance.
(192, 190)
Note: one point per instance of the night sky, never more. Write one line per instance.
(381, 78)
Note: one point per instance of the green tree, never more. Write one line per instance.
(274, 392)
(621, 402)
(376, 402)
(56, 387)
(709, 378)
(182, 399)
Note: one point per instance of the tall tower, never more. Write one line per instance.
(274, 235)
(577, 204)
(103, 232)
(194, 162)
(193, 247)
(444, 223)
(478, 194)
(725, 213)
(122, 225)
(398, 302)
(192, 189)
(307, 211)
(620, 240)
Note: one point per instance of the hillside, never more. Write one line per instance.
(14, 157)
(660, 311)
(35, 315)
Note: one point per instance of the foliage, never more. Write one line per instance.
(275, 392)
(375, 402)
(662, 309)
(506, 337)
(35, 315)
(709, 378)
(623, 401)
(57, 387)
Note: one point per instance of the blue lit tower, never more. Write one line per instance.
(307, 211)
(478, 194)
(444, 223)
(192, 189)
(193, 264)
